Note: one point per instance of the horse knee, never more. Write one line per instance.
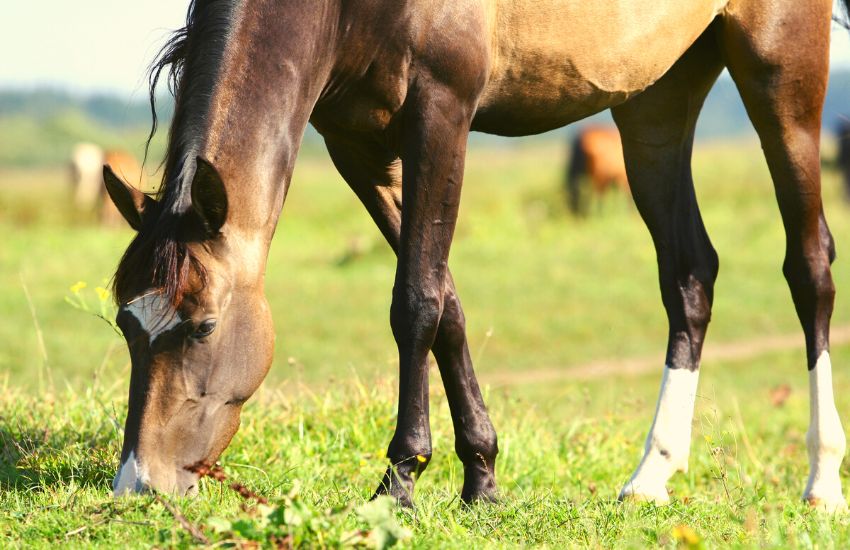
(452, 323)
(810, 279)
(826, 240)
(415, 313)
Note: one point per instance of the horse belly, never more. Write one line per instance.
(557, 61)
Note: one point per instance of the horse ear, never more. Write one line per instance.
(130, 202)
(209, 197)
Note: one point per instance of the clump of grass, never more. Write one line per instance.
(293, 523)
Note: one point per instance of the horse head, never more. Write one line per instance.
(198, 330)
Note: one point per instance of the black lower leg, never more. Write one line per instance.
(414, 317)
(475, 437)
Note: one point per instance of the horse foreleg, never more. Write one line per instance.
(375, 176)
(436, 127)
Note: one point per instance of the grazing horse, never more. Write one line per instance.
(87, 160)
(395, 87)
(596, 154)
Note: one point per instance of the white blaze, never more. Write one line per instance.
(156, 315)
(131, 477)
(154, 312)
(669, 440)
(825, 439)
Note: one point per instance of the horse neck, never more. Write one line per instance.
(257, 107)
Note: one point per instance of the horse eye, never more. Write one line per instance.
(205, 329)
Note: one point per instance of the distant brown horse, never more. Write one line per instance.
(395, 87)
(842, 134)
(596, 156)
(87, 160)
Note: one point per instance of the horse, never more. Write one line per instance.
(395, 87)
(597, 154)
(842, 135)
(87, 161)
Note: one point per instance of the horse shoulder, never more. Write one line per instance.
(439, 45)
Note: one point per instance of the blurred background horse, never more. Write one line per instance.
(87, 161)
(842, 135)
(596, 160)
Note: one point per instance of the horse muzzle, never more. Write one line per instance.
(134, 477)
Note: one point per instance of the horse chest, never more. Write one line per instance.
(369, 102)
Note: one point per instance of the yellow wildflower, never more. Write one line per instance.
(686, 536)
(102, 293)
(78, 286)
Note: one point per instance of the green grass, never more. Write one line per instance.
(541, 291)
(564, 453)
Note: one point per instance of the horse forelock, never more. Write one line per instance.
(159, 259)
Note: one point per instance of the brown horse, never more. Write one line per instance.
(596, 156)
(395, 86)
(842, 136)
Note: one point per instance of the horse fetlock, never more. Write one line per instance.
(479, 446)
(409, 463)
(826, 441)
(668, 443)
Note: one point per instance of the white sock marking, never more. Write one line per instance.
(669, 440)
(131, 477)
(154, 312)
(825, 439)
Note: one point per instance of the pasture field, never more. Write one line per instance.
(565, 322)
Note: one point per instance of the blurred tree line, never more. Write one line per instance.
(39, 127)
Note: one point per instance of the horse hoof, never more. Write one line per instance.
(834, 504)
(483, 497)
(637, 493)
(392, 486)
(404, 500)
(479, 490)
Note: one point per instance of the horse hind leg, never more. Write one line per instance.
(783, 90)
(657, 129)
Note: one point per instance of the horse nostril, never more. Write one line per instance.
(203, 394)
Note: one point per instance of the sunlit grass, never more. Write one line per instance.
(565, 451)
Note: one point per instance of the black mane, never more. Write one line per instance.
(196, 50)
(159, 257)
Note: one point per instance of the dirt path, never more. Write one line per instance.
(732, 351)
